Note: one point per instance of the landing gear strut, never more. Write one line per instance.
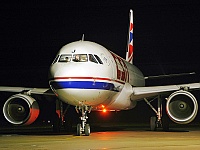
(160, 120)
(83, 127)
(62, 118)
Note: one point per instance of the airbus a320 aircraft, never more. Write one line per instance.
(88, 76)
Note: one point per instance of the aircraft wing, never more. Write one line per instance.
(39, 91)
(145, 92)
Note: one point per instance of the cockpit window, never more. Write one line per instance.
(80, 58)
(92, 59)
(56, 59)
(65, 58)
(99, 60)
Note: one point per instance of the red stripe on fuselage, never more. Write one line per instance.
(94, 78)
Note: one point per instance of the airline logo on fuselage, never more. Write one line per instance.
(122, 70)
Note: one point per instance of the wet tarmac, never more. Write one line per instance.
(107, 137)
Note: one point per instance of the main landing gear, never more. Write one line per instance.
(161, 120)
(62, 118)
(83, 127)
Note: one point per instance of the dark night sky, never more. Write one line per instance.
(166, 35)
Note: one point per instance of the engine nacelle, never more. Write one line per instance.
(182, 107)
(21, 109)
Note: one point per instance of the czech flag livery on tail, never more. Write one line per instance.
(130, 47)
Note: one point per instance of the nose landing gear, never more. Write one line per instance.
(83, 127)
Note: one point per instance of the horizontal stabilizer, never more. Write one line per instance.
(169, 75)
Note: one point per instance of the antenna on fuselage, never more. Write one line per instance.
(83, 36)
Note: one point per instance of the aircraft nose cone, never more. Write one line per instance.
(68, 70)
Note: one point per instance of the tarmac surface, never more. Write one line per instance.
(118, 137)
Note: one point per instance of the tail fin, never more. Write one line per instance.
(130, 47)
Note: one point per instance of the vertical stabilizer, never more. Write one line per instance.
(130, 47)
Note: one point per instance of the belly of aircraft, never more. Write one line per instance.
(91, 97)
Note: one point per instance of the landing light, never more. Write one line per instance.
(104, 110)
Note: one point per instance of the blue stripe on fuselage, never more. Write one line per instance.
(82, 85)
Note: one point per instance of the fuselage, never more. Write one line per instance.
(86, 73)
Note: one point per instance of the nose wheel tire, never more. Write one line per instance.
(79, 128)
(87, 129)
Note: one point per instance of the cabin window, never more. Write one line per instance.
(99, 60)
(65, 58)
(92, 59)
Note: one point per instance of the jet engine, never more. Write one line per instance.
(21, 109)
(182, 107)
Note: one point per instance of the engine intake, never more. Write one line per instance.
(21, 109)
(182, 107)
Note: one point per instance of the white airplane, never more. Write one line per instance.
(92, 78)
